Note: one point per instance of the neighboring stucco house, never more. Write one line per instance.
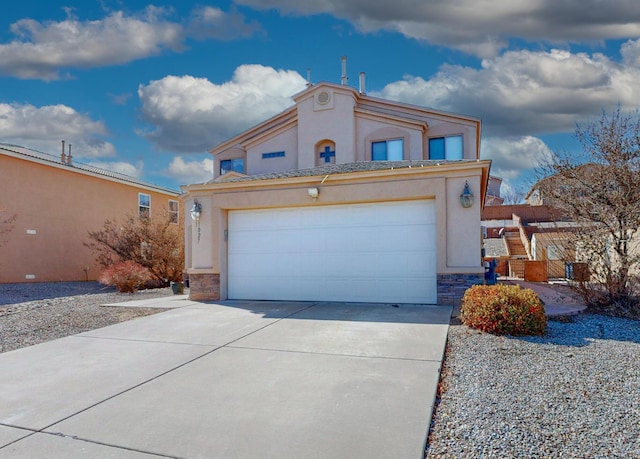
(342, 197)
(56, 201)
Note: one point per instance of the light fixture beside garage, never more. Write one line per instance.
(196, 212)
(466, 198)
(313, 192)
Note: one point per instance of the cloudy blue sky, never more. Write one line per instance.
(146, 88)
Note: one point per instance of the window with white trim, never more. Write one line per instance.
(387, 150)
(144, 205)
(174, 209)
(449, 147)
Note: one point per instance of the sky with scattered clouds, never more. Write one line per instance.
(147, 88)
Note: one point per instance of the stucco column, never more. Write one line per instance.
(204, 280)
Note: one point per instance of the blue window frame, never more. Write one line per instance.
(275, 154)
(235, 165)
(387, 150)
(446, 147)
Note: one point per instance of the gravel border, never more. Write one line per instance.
(573, 393)
(37, 312)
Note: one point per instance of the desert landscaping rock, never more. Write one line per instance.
(39, 312)
(573, 393)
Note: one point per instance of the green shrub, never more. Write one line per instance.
(503, 310)
(127, 276)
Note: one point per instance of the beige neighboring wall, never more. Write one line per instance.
(56, 205)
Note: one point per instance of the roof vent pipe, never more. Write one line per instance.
(63, 157)
(309, 77)
(344, 77)
(363, 90)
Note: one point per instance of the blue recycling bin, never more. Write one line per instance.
(490, 274)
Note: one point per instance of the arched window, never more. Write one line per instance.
(325, 152)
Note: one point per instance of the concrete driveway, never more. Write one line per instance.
(230, 380)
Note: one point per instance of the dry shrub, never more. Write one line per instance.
(503, 310)
(127, 276)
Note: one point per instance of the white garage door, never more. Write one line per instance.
(360, 252)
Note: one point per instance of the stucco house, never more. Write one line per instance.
(56, 201)
(342, 197)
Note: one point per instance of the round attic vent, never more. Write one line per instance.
(323, 97)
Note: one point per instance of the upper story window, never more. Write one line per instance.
(274, 154)
(144, 205)
(325, 152)
(387, 150)
(174, 208)
(235, 165)
(449, 147)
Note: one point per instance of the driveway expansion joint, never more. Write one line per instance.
(381, 357)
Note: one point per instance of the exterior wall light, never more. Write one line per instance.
(196, 212)
(313, 192)
(466, 198)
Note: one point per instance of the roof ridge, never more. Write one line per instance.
(79, 165)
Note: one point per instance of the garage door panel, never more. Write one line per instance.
(381, 252)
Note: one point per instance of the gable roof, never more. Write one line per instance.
(365, 105)
(36, 156)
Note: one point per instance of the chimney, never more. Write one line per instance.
(63, 157)
(69, 157)
(344, 79)
(363, 90)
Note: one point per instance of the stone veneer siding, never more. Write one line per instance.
(451, 287)
(204, 287)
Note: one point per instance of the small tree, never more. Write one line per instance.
(155, 243)
(127, 276)
(599, 191)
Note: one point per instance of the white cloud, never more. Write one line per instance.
(191, 114)
(480, 27)
(511, 156)
(41, 50)
(132, 170)
(42, 128)
(630, 52)
(210, 22)
(187, 172)
(527, 92)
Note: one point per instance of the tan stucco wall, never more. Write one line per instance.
(60, 205)
(351, 122)
(337, 123)
(286, 141)
(458, 229)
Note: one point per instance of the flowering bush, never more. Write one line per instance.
(503, 310)
(127, 276)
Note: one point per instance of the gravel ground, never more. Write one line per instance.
(574, 393)
(34, 313)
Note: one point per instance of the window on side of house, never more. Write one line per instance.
(144, 205)
(274, 154)
(387, 150)
(235, 165)
(174, 208)
(449, 147)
